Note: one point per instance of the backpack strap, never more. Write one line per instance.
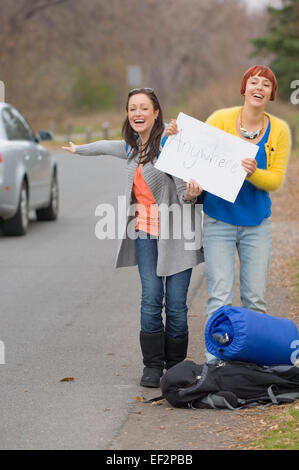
(215, 401)
(153, 400)
(128, 151)
(271, 395)
(282, 397)
(163, 141)
(287, 397)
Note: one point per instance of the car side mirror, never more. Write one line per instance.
(44, 135)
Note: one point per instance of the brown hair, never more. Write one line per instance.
(152, 146)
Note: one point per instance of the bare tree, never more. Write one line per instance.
(182, 46)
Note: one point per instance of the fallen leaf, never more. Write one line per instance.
(67, 379)
(157, 403)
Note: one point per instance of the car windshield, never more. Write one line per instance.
(15, 125)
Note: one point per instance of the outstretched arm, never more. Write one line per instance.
(115, 148)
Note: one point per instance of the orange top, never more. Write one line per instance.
(147, 214)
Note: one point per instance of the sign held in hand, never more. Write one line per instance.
(209, 155)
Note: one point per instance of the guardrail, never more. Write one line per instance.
(88, 135)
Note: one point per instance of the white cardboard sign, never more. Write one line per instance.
(209, 155)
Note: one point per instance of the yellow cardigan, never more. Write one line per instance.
(277, 148)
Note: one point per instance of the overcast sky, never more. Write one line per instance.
(261, 3)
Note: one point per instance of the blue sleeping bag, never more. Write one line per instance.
(238, 334)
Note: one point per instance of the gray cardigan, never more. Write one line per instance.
(182, 249)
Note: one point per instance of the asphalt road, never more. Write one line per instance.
(66, 312)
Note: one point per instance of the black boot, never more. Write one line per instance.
(152, 347)
(175, 350)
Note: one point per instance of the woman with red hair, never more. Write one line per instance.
(245, 226)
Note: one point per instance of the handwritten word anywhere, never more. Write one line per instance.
(196, 153)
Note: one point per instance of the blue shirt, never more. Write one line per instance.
(251, 206)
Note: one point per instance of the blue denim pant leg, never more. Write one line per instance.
(253, 244)
(152, 288)
(254, 248)
(175, 288)
(176, 303)
(219, 243)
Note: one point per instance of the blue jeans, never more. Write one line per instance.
(154, 288)
(253, 244)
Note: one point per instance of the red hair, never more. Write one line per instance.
(263, 71)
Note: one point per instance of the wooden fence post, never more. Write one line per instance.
(88, 135)
(105, 127)
(69, 131)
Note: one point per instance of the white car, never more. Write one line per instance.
(28, 174)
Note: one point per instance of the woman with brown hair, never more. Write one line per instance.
(164, 263)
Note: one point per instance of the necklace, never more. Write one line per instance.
(250, 134)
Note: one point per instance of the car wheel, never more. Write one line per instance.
(18, 224)
(51, 211)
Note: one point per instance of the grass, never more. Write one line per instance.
(283, 433)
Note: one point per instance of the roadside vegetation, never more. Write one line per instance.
(282, 432)
(281, 423)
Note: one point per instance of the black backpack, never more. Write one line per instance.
(229, 384)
